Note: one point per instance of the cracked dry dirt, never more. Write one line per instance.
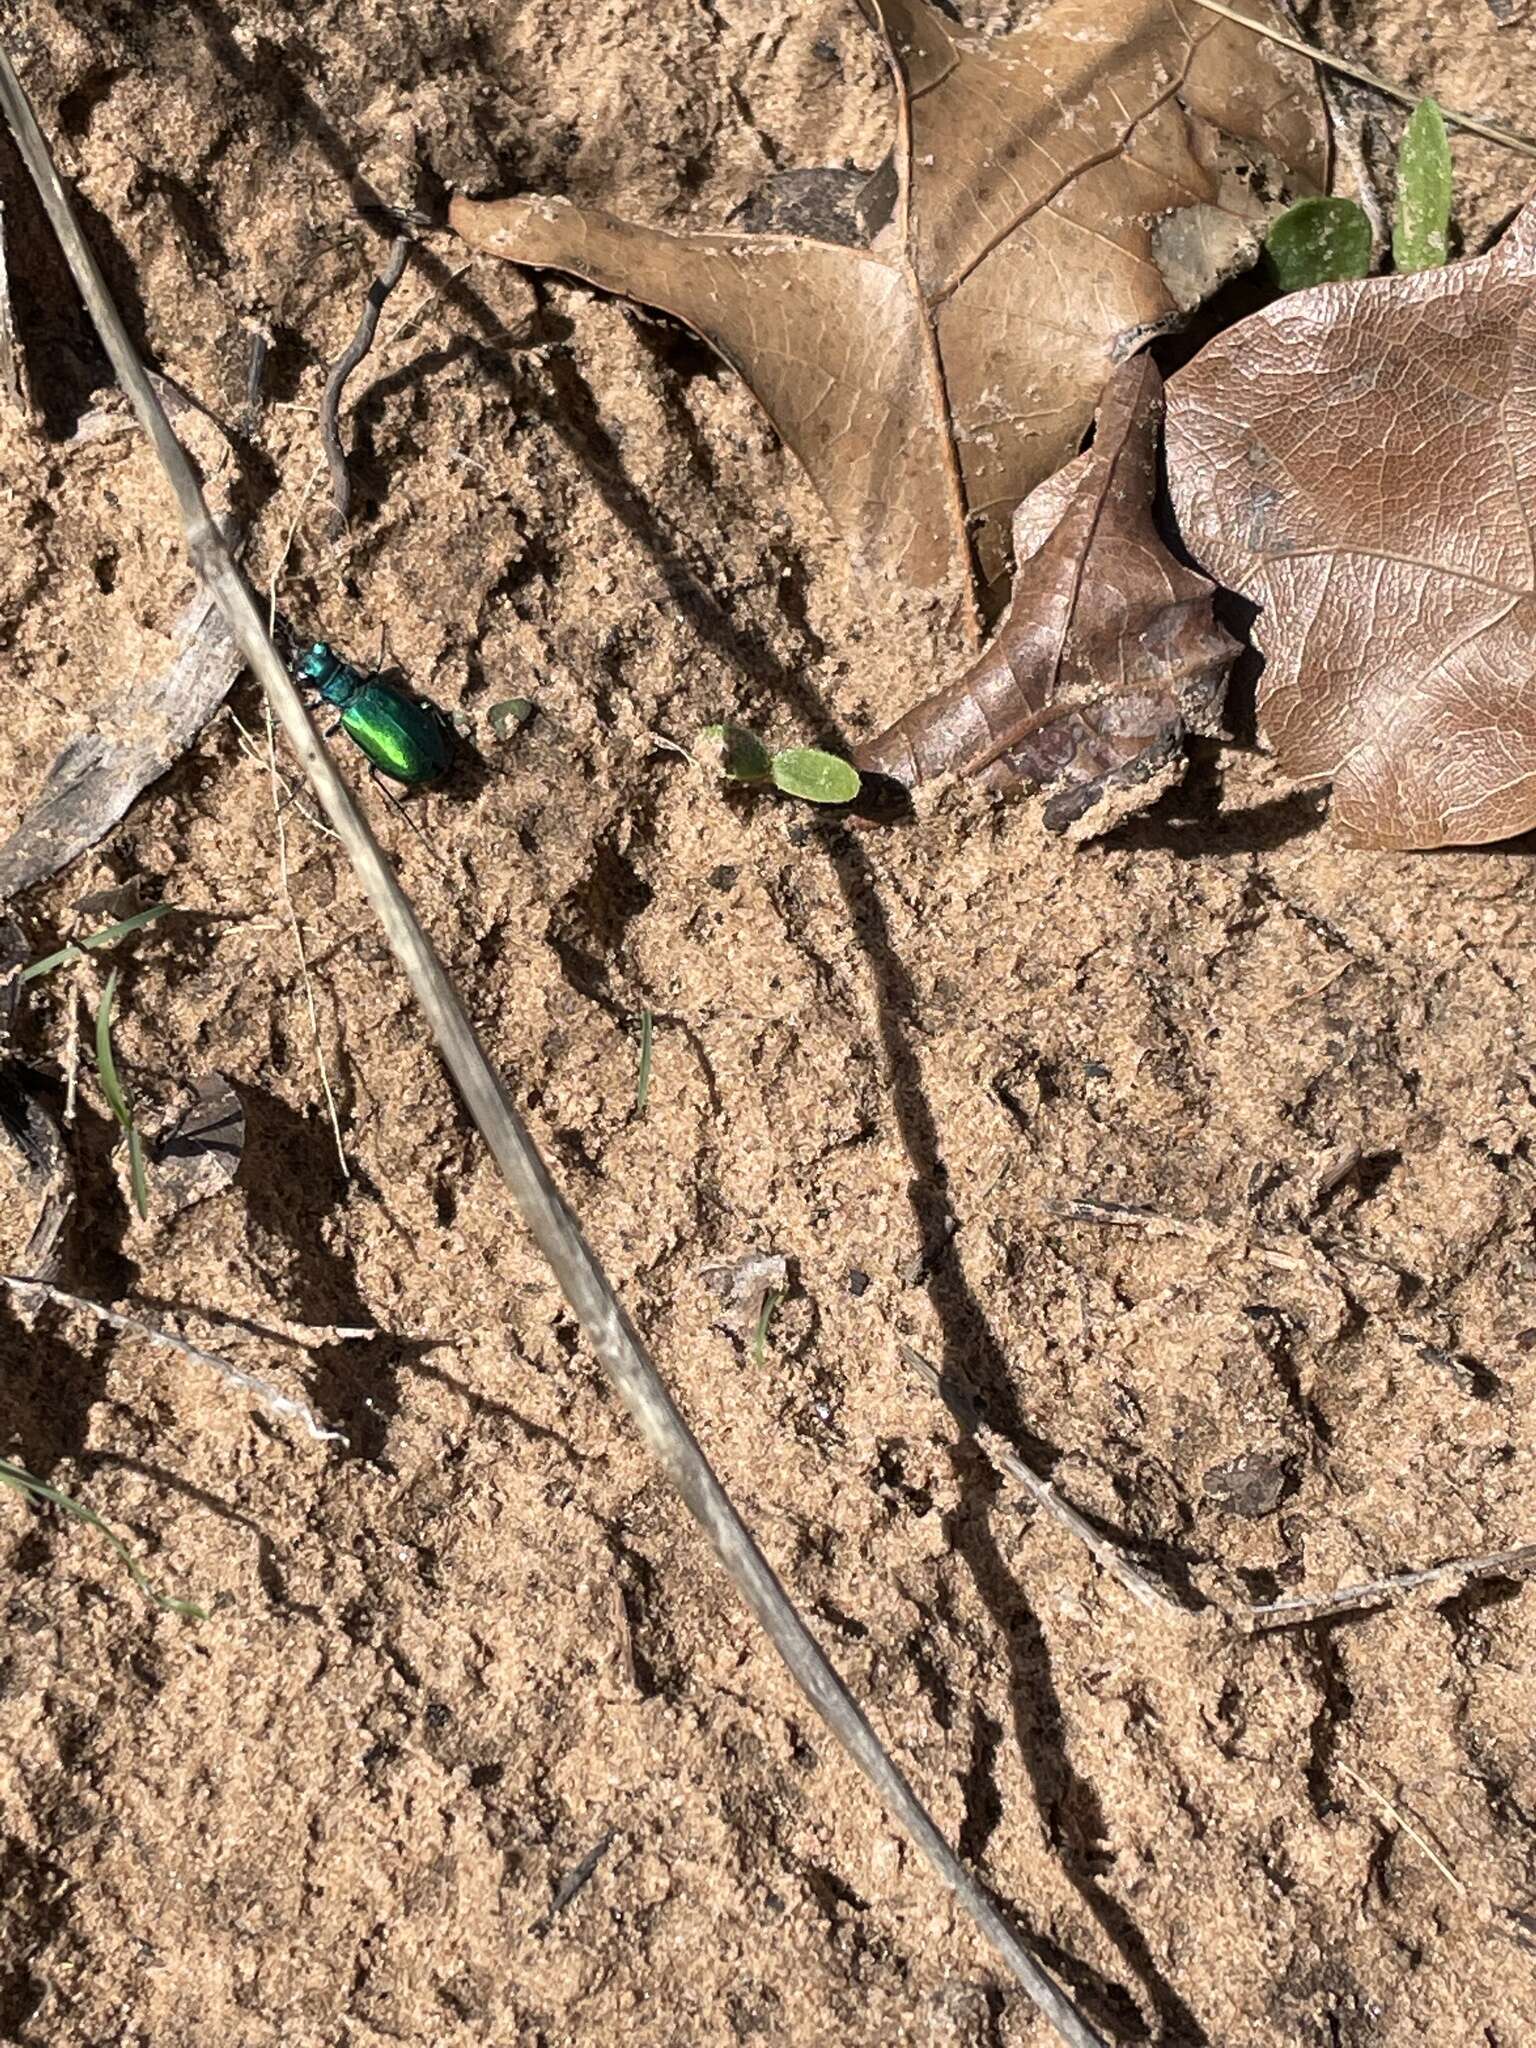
(451, 1664)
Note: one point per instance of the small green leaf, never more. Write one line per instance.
(732, 751)
(1421, 234)
(819, 778)
(1318, 241)
(30, 1487)
(510, 716)
(106, 937)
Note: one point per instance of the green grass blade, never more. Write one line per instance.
(1318, 241)
(107, 936)
(106, 1064)
(136, 1172)
(817, 777)
(117, 1095)
(30, 1487)
(1421, 234)
(643, 1077)
(765, 1316)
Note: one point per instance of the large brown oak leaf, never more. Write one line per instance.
(1052, 198)
(1360, 461)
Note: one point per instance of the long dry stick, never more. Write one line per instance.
(554, 1227)
(1488, 130)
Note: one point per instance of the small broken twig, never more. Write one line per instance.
(346, 363)
(1395, 1813)
(574, 1880)
(1150, 1592)
(1389, 1592)
(268, 1395)
(1488, 130)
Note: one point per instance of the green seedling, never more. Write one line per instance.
(735, 753)
(510, 716)
(1318, 241)
(1421, 233)
(30, 1487)
(643, 1077)
(117, 1099)
(806, 772)
(765, 1316)
(1322, 241)
(107, 936)
(816, 777)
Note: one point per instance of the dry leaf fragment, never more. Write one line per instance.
(1360, 461)
(129, 743)
(1109, 649)
(1053, 197)
(742, 1287)
(44, 1167)
(196, 1151)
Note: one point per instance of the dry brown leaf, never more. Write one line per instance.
(1109, 648)
(1360, 461)
(1053, 197)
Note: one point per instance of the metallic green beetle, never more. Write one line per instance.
(404, 738)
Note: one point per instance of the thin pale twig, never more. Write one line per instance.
(488, 1099)
(1150, 1592)
(246, 742)
(1392, 1591)
(268, 1395)
(1396, 1813)
(1488, 130)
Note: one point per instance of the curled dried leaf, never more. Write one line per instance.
(1110, 646)
(1360, 462)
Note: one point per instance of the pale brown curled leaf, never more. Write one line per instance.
(1053, 196)
(1109, 649)
(1360, 462)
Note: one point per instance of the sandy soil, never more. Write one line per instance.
(483, 1644)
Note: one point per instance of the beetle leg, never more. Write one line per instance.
(404, 815)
